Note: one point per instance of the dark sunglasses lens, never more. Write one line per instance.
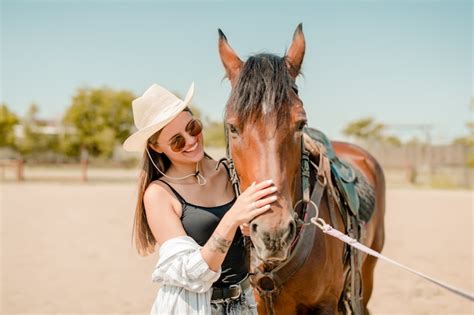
(178, 143)
(195, 128)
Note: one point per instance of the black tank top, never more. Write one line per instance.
(200, 222)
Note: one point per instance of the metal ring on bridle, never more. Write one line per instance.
(310, 202)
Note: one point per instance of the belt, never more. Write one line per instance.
(231, 292)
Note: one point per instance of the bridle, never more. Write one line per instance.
(268, 284)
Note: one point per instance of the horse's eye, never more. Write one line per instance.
(233, 129)
(300, 125)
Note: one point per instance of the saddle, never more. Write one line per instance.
(343, 175)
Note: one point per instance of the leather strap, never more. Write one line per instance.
(355, 268)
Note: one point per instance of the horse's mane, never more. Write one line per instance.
(262, 88)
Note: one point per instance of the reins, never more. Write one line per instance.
(328, 229)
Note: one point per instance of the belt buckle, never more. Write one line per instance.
(239, 291)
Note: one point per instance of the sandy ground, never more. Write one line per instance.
(66, 248)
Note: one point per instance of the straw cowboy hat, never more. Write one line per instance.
(151, 112)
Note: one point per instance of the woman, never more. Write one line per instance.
(186, 204)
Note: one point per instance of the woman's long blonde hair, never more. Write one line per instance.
(141, 232)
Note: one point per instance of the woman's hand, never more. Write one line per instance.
(254, 201)
(245, 229)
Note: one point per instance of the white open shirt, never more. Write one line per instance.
(184, 277)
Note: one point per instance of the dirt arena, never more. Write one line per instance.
(66, 249)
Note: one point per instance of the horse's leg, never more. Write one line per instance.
(369, 266)
(368, 280)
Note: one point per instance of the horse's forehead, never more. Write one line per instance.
(262, 123)
(266, 132)
(268, 118)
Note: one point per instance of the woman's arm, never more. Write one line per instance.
(162, 215)
(180, 261)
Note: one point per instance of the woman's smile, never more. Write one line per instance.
(194, 150)
(194, 147)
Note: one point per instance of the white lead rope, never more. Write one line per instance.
(326, 228)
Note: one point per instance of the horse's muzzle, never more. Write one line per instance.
(272, 246)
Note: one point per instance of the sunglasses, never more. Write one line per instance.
(178, 142)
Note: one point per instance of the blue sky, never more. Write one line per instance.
(401, 62)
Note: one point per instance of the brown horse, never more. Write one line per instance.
(265, 120)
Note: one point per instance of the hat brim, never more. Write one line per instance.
(138, 140)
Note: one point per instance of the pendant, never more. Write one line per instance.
(201, 180)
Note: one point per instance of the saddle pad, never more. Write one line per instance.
(353, 186)
(366, 194)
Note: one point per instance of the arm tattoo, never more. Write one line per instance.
(219, 243)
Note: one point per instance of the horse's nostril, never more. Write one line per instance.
(253, 226)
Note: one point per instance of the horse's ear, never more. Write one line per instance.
(295, 55)
(230, 60)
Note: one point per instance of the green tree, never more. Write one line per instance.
(367, 129)
(69, 144)
(101, 117)
(8, 120)
(30, 140)
(364, 129)
(392, 140)
(34, 142)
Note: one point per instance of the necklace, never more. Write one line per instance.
(200, 178)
